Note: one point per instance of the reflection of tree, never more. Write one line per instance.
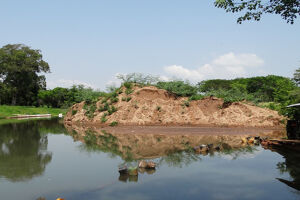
(23, 152)
(291, 165)
(237, 152)
(104, 143)
(187, 157)
(180, 158)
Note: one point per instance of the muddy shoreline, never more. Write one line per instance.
(180, 130)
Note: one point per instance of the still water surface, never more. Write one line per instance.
(44, 159)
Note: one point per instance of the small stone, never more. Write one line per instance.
(151, 165)
(210, 146)
(197, 149)
(143, 164)
(217, 148)
(203, 148)
(251, 140)
(244, 140)
(123, 170)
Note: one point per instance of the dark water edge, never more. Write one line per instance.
(41, 158)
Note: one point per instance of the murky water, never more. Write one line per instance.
(44, 159)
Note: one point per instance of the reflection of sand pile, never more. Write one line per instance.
(152, 106)
(148, 144)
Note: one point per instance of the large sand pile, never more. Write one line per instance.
(152, 106)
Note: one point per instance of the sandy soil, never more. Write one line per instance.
(152, 106)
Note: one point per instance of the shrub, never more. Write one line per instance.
(103, 118)
(74, 112)
(128, 85)
(158, 108)
(114, 123)
(186, 103)
(178, 88)
(196, 97)
(114, 100)
(104, 108)
(111, 110)
(90, 111)
(128, 91)
(128, 99)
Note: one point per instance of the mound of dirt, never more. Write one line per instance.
(152, 106)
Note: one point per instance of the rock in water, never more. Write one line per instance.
(251, 140)
(244, 140)
(151, 165)
(143, 164)
(123, 170)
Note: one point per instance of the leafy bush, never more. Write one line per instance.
(178, 88)
(111, 110)
(103, 118)
(196, 97)
(74, 112)
(127, 85)
(114, 123)
(114, 100)
(90, 111)
(186, 103)
(128, 91)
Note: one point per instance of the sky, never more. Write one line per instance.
(89, 42)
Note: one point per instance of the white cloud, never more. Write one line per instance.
(68, 83)
(226, 66)
(179, 71)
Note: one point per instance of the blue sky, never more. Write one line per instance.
(91, 41)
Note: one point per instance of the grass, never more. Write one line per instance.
(8, 111)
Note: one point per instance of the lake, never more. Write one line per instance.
(45, 159)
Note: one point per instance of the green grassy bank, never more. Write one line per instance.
(7, 111)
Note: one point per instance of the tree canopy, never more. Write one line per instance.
(254, 9)
(297, 76)
(19, 74)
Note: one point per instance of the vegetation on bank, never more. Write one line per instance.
(7, 111)
(273, 92)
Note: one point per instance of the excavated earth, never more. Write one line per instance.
(152, 106)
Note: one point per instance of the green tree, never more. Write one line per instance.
(297, 76)
(253, 9)
(19, 73)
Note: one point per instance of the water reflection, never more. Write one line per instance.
(164, 149)
(137, 146)
(23, 149)
(290, 165)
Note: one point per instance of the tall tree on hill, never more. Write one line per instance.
(254, 9)
(20, 68)
(297, 76)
